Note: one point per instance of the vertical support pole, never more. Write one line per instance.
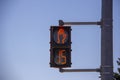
(106, 41)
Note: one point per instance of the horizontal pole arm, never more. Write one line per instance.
(78, 23)
(79, 70)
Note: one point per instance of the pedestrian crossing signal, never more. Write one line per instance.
(60, 46)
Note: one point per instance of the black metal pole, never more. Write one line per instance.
(106, 41)
(79, 23)
(79, 70)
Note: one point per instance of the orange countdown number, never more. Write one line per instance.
(60, 58)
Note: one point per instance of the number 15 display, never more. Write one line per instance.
(60, 46)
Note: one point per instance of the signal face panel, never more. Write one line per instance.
(60, 46)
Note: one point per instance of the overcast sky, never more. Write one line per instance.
(25, 37)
